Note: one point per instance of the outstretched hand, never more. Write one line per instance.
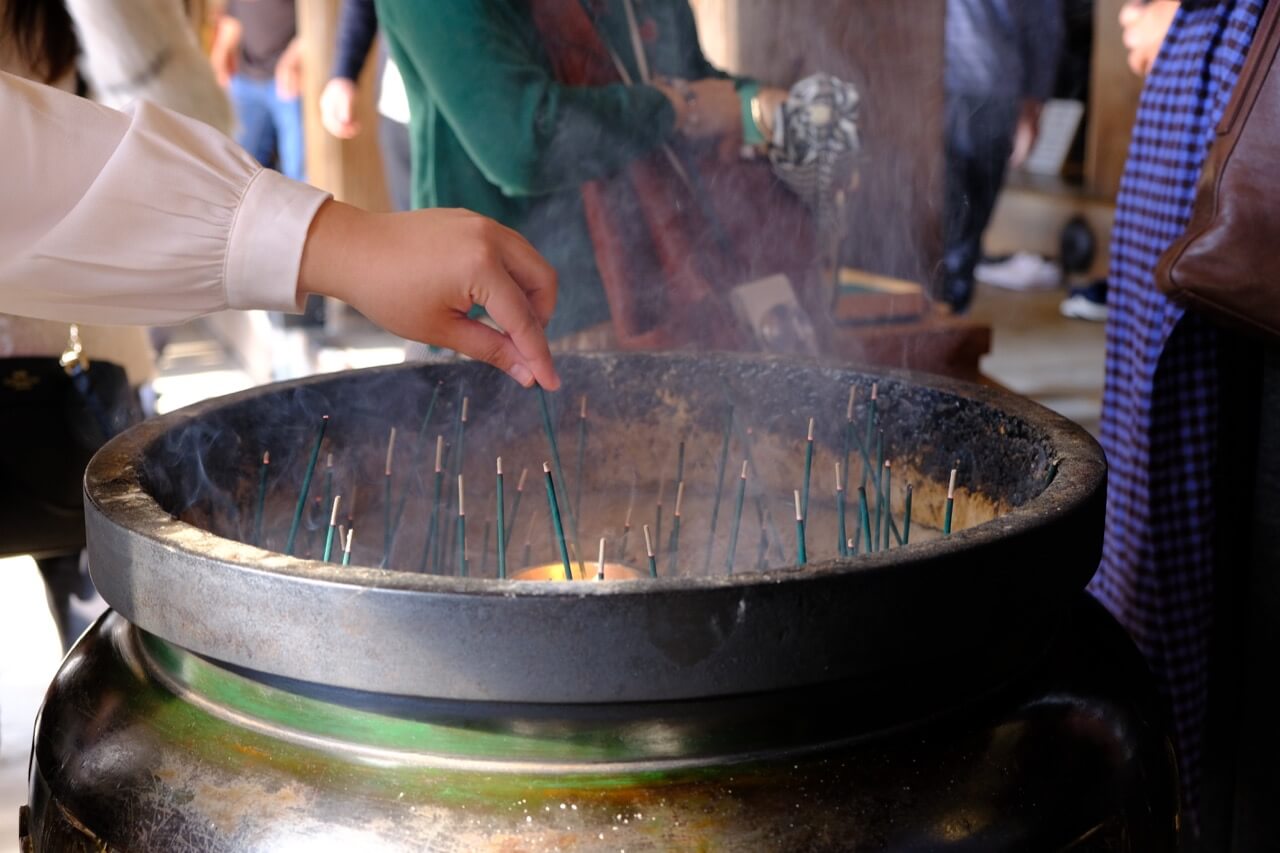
(417, 274)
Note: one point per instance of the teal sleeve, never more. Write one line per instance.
(484, 70)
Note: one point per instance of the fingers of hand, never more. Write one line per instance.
(508, 307)
(475, 339)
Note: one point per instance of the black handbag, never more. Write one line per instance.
(54, 415)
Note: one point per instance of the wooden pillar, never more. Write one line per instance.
(350, 169)
(1113, 102)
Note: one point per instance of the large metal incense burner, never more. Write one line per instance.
(951, 692)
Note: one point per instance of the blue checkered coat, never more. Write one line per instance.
(1160, 409)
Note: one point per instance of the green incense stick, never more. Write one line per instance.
(346, 547)
(888, 505)
(737, 517)
(549, 428)
(808, 469)
(484, 548)
(462, 531)
(581, 466)
(865, 516)
(626, 522)
(840, 513)
(306, 487)
(879, 478)
(802, 555)
(433, 530)
(388, 514)
(648, 547)
(260, 509)
(657, 513)
(515, 505)
(420, 447)
(951, 502)
(673, 558)
(502, 526)
(906, 517)
(715, 507)
(554, 507)
(333, 527)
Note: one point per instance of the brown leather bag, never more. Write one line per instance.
(1227, 263)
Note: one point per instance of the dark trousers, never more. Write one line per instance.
(979, 140)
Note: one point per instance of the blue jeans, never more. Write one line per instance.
(270, 128)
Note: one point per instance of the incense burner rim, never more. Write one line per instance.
(133, 538)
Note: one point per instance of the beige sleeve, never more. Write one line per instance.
(142, 217)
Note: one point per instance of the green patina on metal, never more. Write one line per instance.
(602, 744)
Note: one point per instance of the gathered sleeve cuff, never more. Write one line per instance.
(143, 217)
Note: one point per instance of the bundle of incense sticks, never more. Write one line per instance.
(876, 527)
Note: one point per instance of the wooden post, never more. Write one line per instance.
(350, 169)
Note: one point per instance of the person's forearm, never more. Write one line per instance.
(147, 218)
(528, 133)
(357, 27)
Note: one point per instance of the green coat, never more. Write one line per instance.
(492, 130)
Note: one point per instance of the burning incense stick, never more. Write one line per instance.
(460, 434)
(527, 556)
(554, 507)
(848, 428)
(420, 448)
(306, 487)
(951, 502)
(515, 505)
(346, 547)
(388, 515)
(260, 509)
(657, 513)
(888, 505)
(328, 480)
(549, 428)
(648, 547)
(673, 551)
(333, 528)
(433, 530)
(502, 524)
(626, 522)
(879, 475)
(802, 554)
(808, 468)
(462, 531)
(906, 517)
(720, 466)
(865, 516)
(871, 414)
(840, 513)
(580, 470)
(600, 565)
(737, 516)
(680, 463)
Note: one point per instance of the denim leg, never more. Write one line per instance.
(292, 151)
(979, 142)
(252, 102)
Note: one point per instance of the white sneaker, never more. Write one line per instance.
(1021, 271)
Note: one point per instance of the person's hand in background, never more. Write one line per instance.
(338, 108)
(289, 71)
(1145, 26)
(705, 109)
(1025, 132)
(224, 51)
(418, 274)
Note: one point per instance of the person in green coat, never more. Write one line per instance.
(495, 130)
